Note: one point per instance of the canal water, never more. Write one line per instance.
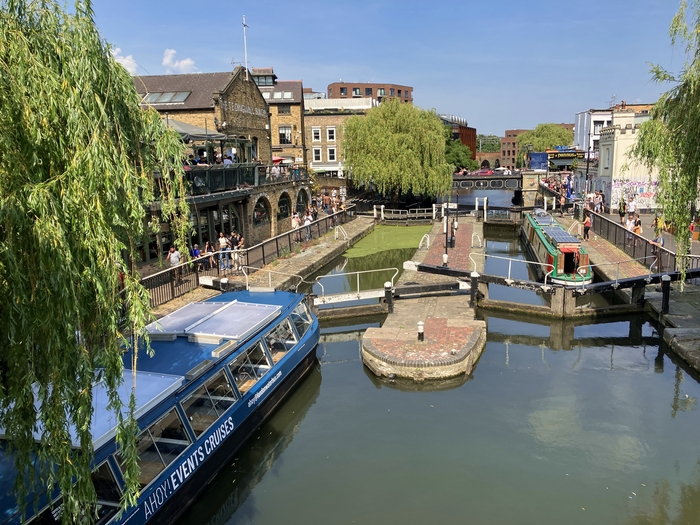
(559, 423)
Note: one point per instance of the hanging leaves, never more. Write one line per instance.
(669, 141)
(77, 165)
(399, 148)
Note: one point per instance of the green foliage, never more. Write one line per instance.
(488, 143)
(669, 141)
(399, 148)
(459, 155)
(545, 136)
(74, 192)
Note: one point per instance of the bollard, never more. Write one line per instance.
(665, 293)
(375, 212)
(389, 297)
(382, 209)
(475, 289)
(421, 328)
(434, 211)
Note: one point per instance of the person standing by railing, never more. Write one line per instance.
(174, 259)
(224, 256)
(209, 261)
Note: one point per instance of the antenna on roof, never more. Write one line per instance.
(245, 47)
(613, 100)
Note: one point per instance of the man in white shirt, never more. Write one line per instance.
(631, 206)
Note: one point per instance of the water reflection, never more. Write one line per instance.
(255, 459)
(408, 385)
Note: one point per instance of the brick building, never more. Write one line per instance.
(461, 131)
(286, 103)
(371, 90)
(509, 148)
(324, 120)
(229, 103)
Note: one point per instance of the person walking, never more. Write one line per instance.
(586, 227)
(622, 209)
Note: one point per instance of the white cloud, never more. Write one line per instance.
(127, 61)
(186, 65)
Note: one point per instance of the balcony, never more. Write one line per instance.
(212, 180)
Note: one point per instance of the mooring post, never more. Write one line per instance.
(434, 211)
(388, 296)
(665, 293)
(421, 331)
(486, 211)
(475, 289)
(375, 212)
(382, 212)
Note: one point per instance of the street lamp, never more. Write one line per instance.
(588, 161)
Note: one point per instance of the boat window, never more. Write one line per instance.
(301, 319)
(108, 495)
(158, 446)
(209, 403)
(249, 367)
(280, 340)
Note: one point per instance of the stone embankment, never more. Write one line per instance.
(453, 340)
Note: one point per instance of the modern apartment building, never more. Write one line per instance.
(374, 91)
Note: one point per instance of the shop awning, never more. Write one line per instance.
(190, 132)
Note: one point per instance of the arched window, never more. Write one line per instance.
(261, 212)
(302, 201)
(285, 207)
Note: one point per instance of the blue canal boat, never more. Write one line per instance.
(559, 253)
(219, 370)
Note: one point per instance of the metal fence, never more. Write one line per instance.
(226, 177)
(637, 247)
(168, 284)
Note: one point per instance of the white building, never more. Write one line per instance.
(618, 175)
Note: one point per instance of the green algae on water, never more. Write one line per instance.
(385, 238)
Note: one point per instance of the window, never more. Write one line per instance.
(301, 319)
(596, 145)
(264, 80)
(405, 94)
(399, 92)
(317, 154)
(249, 367)
(343, 91)
(285, 206)
(280, 340)
(331, 154)
(285, 133)
(330, 134)
(330, 93)
(607, 158)
(368, 92)
(287, 94)
(260, 213)
(266, 95)
(597, 126)
(209, 403)
(356, 92)
(277, 95)
(159, 445)
(168, 97)
(316, 134)
(284, 109)
(381, 92)
(391, 92)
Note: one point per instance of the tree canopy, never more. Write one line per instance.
(457, 154)
(399, 148)
(76, 176)
(670, 141)
(545, 136)
(488, 143)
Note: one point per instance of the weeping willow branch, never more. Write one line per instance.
(76, 176)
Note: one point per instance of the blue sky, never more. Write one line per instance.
(499, 64)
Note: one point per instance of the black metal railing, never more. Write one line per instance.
(169, 284)
(637, 247)
(227, 177)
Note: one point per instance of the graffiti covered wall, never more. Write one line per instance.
(644, 193)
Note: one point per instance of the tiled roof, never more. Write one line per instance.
(284, 86)
(201, 85)
(262, 71)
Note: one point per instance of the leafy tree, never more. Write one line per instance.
(545, 136)
(400, 148)
(488, 143)
(76, 177)
(669, 140)
(457, 154)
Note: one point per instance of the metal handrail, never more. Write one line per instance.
(340, 230)
(269, 276)
(510, 261)
(425, 238)
(323, 290)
